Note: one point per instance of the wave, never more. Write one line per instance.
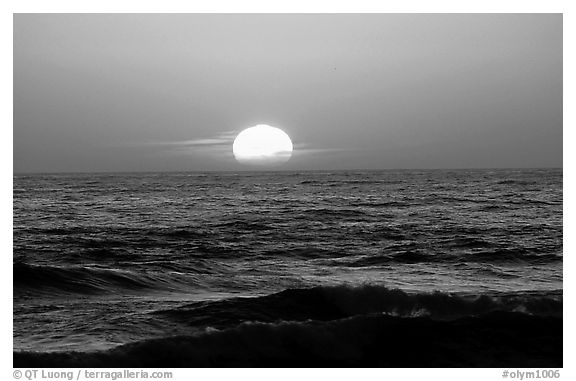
(68, 230)
(500, 339)
(507, 255)
(408, 256)
(337, 302)
(383, 204)
(84, 280)
(243, 225)
(182, 232)
(334, 212)
(516, 182)
(304, 253)
(496, 256)
(469, 242)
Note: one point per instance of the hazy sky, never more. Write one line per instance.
(169, 92)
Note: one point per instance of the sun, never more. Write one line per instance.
(262, 145)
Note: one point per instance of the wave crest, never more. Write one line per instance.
(83, 280)
(337, 302)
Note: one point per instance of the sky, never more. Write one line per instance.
(169, 92)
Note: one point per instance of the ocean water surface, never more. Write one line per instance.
(254, 268)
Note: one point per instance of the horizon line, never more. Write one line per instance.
(281, 170)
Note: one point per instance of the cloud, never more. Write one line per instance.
(307, 149)
(221, 144)
(222, 140)
(225, 139)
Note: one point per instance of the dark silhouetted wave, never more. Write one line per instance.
(499, 339)
(337, 302)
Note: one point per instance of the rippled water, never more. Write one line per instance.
(108, 259)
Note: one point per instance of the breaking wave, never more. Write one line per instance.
(502, 339)
(337, 302)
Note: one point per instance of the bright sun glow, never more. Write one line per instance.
(262, 144)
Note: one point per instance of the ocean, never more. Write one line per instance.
(434, 268)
